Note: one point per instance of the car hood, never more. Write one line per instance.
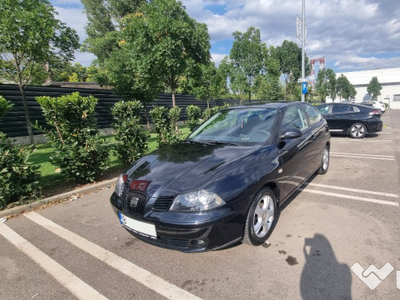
(185, 167)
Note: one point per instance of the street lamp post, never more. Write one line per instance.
(303, 29)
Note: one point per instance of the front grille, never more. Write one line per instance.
(136, 201)
(181, 243)
(163, 203)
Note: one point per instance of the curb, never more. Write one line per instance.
(63, 196)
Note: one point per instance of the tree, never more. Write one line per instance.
(224, 71)
(268, 86)
(289, 56)
(207, 85)
(159, 45)
(5, 107)
(104, 22)
(374, 88)
(326, 84)
(247, 56)
(31, 36)
(344, 88)
(321, 86)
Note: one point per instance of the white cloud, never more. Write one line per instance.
(84, 58)
(74, 18)
(345, 32)
(216, 58)
(355, 63)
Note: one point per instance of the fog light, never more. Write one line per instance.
(198, 243)
(120, 204)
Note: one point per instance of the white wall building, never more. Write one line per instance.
(388, 78)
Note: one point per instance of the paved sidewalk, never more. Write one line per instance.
(58, 198)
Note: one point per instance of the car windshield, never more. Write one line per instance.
(237, 126)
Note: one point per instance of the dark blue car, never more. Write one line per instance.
(225, 183)
(352, 119)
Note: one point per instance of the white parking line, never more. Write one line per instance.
(74, 284)
(361, 155)
(352, 190)
(376, 201)
(362, 141)
(135, 272)
(366, 154)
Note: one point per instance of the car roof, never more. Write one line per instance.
(342, 103)
(352, 104)
(278, 104)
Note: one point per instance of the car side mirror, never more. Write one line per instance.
(293, 133)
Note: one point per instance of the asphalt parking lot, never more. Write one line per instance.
(338, 238)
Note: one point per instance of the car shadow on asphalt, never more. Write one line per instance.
(339, 136)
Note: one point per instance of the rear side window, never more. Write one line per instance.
(341, 108)
(294, 118)
(313, 114)
(324, 109)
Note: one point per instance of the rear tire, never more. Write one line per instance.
(358, 131)
(261, 218)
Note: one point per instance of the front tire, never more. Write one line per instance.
(358, 131)
(261, 218)
(325, 161)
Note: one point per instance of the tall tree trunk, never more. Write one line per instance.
(173, 105)
(146, 113)
(285, 90)
(173, 98)
(27, 117)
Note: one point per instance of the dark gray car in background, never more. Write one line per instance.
(351, 119)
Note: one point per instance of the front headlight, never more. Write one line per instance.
(119, 185)
(196, 201)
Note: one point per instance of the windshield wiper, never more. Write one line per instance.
(207, 142)
(228, 143)
(197, 142)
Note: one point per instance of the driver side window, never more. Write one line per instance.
(294, 118)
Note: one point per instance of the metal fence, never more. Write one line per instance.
(14, 123)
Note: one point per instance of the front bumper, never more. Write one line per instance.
(187, 232)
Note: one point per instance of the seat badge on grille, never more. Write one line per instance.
(134, 201)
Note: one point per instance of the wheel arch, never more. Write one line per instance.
(275, 189)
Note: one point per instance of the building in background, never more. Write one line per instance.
(388, 78)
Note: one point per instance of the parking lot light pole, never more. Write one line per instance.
(303, 30)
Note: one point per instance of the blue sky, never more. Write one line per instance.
(351, 35)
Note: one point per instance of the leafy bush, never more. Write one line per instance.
(18, 179)
(194, 115)
(80, 152)
(174, 115)
(5, 106)
(207, 114)
(165, 121)
(131, 139)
